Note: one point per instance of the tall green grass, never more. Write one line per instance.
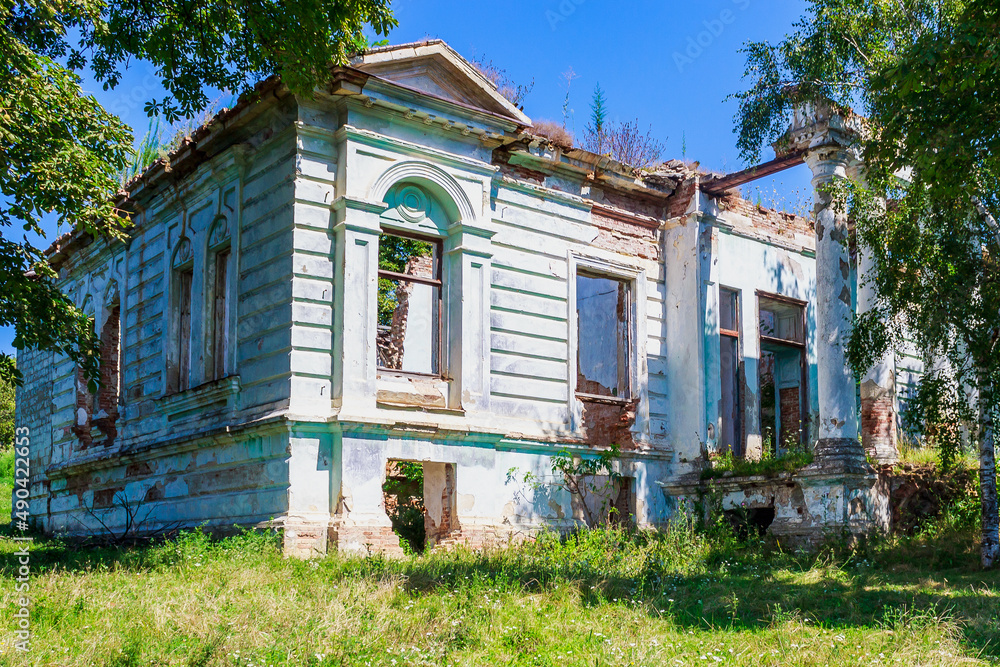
(679, 596)
(6, 484)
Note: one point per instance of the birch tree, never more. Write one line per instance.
(926, 75)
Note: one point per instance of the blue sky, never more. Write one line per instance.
(668, 64)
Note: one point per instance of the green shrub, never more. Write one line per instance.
(726, 464)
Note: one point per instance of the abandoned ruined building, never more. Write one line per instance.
(400, 269)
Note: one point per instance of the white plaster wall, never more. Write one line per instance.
(490, 487)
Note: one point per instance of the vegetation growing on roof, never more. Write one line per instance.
(622, 141)
(554, 132)
(512, 90)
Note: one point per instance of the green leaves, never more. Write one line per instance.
(927, 77)
(229, 45)
(61, 153)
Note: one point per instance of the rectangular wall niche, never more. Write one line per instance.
(409, 305)
(781, 373)
(603, 311)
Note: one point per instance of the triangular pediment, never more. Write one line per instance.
(435, 69)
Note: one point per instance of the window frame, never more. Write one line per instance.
(740, 370)
(629, 390)
(802, 346)
(789, 301)
(635, 276)
(439, 311)
(220, 262)
(184, 347)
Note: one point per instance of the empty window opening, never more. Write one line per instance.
(220, 314)
(84, 409)
(106, 400)
(409, 305)
(731, 362)
(603, 500)
(603, 324)
(781, 374)
(622, 512)
(403, 494)
(184, 282)
(419, 498)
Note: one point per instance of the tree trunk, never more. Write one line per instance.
(988, 483)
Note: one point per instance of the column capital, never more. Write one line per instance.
(819, 125)
(828, 162)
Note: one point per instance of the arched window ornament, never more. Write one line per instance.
(183, 254)
(412, 203)
(219, 232)
(111, 295)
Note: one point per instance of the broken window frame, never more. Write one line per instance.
(788, 301)
(185, 328)
(106, 389)
(438, 360)
(626, 389)
(220, 261)
(739, 444)
(800, 345)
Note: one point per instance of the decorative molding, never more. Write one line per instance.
(217, 392)
(183, 253)
(413, 203)
(427, 173)
(219, 233)
(112, 294)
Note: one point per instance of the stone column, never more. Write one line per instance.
(838, 418)
(878, 386)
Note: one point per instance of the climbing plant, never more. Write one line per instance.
(591, 480)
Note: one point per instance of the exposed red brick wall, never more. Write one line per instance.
(448, 526)
(645, 206)
(107, 393)
(105, 498)
(775, 222)
(878, 425)
(607, 424)
(791, 414)
(85, 402)
(501, 158)
(680, 201)
(478, 537)
(376, 539)
(105, 416)
(391, 341)
(635, 239)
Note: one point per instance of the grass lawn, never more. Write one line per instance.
(596, 598)
(6, 484)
